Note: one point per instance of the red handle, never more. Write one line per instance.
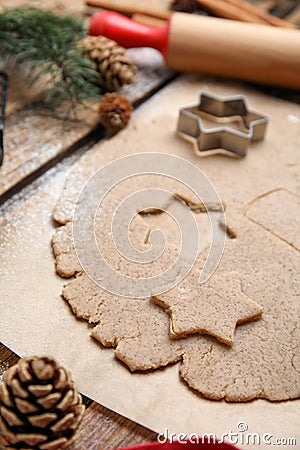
(129, 33)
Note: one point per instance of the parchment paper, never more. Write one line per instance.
(35, 320)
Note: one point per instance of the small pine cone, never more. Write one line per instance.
(115, 68)
(114, 112)
(40, 407)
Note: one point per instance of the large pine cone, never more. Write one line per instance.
(40, 406)
(115, 68)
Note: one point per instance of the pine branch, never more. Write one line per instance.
(46, 46)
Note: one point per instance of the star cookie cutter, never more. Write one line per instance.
(250, 125)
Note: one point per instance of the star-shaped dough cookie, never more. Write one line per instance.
(213, 308)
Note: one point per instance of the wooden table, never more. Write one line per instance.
(25, 170)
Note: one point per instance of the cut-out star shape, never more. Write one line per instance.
(215, 307)
(250, 125)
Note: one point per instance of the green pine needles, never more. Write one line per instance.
(46, 46)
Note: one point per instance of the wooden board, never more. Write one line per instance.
(36, 138)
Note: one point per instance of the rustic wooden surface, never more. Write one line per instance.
(36, 141)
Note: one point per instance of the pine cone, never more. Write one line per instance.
(114, 66)
(114, 111)
(40, 406)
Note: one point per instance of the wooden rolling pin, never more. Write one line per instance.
(247, 51)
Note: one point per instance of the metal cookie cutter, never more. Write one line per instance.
(250, 125)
